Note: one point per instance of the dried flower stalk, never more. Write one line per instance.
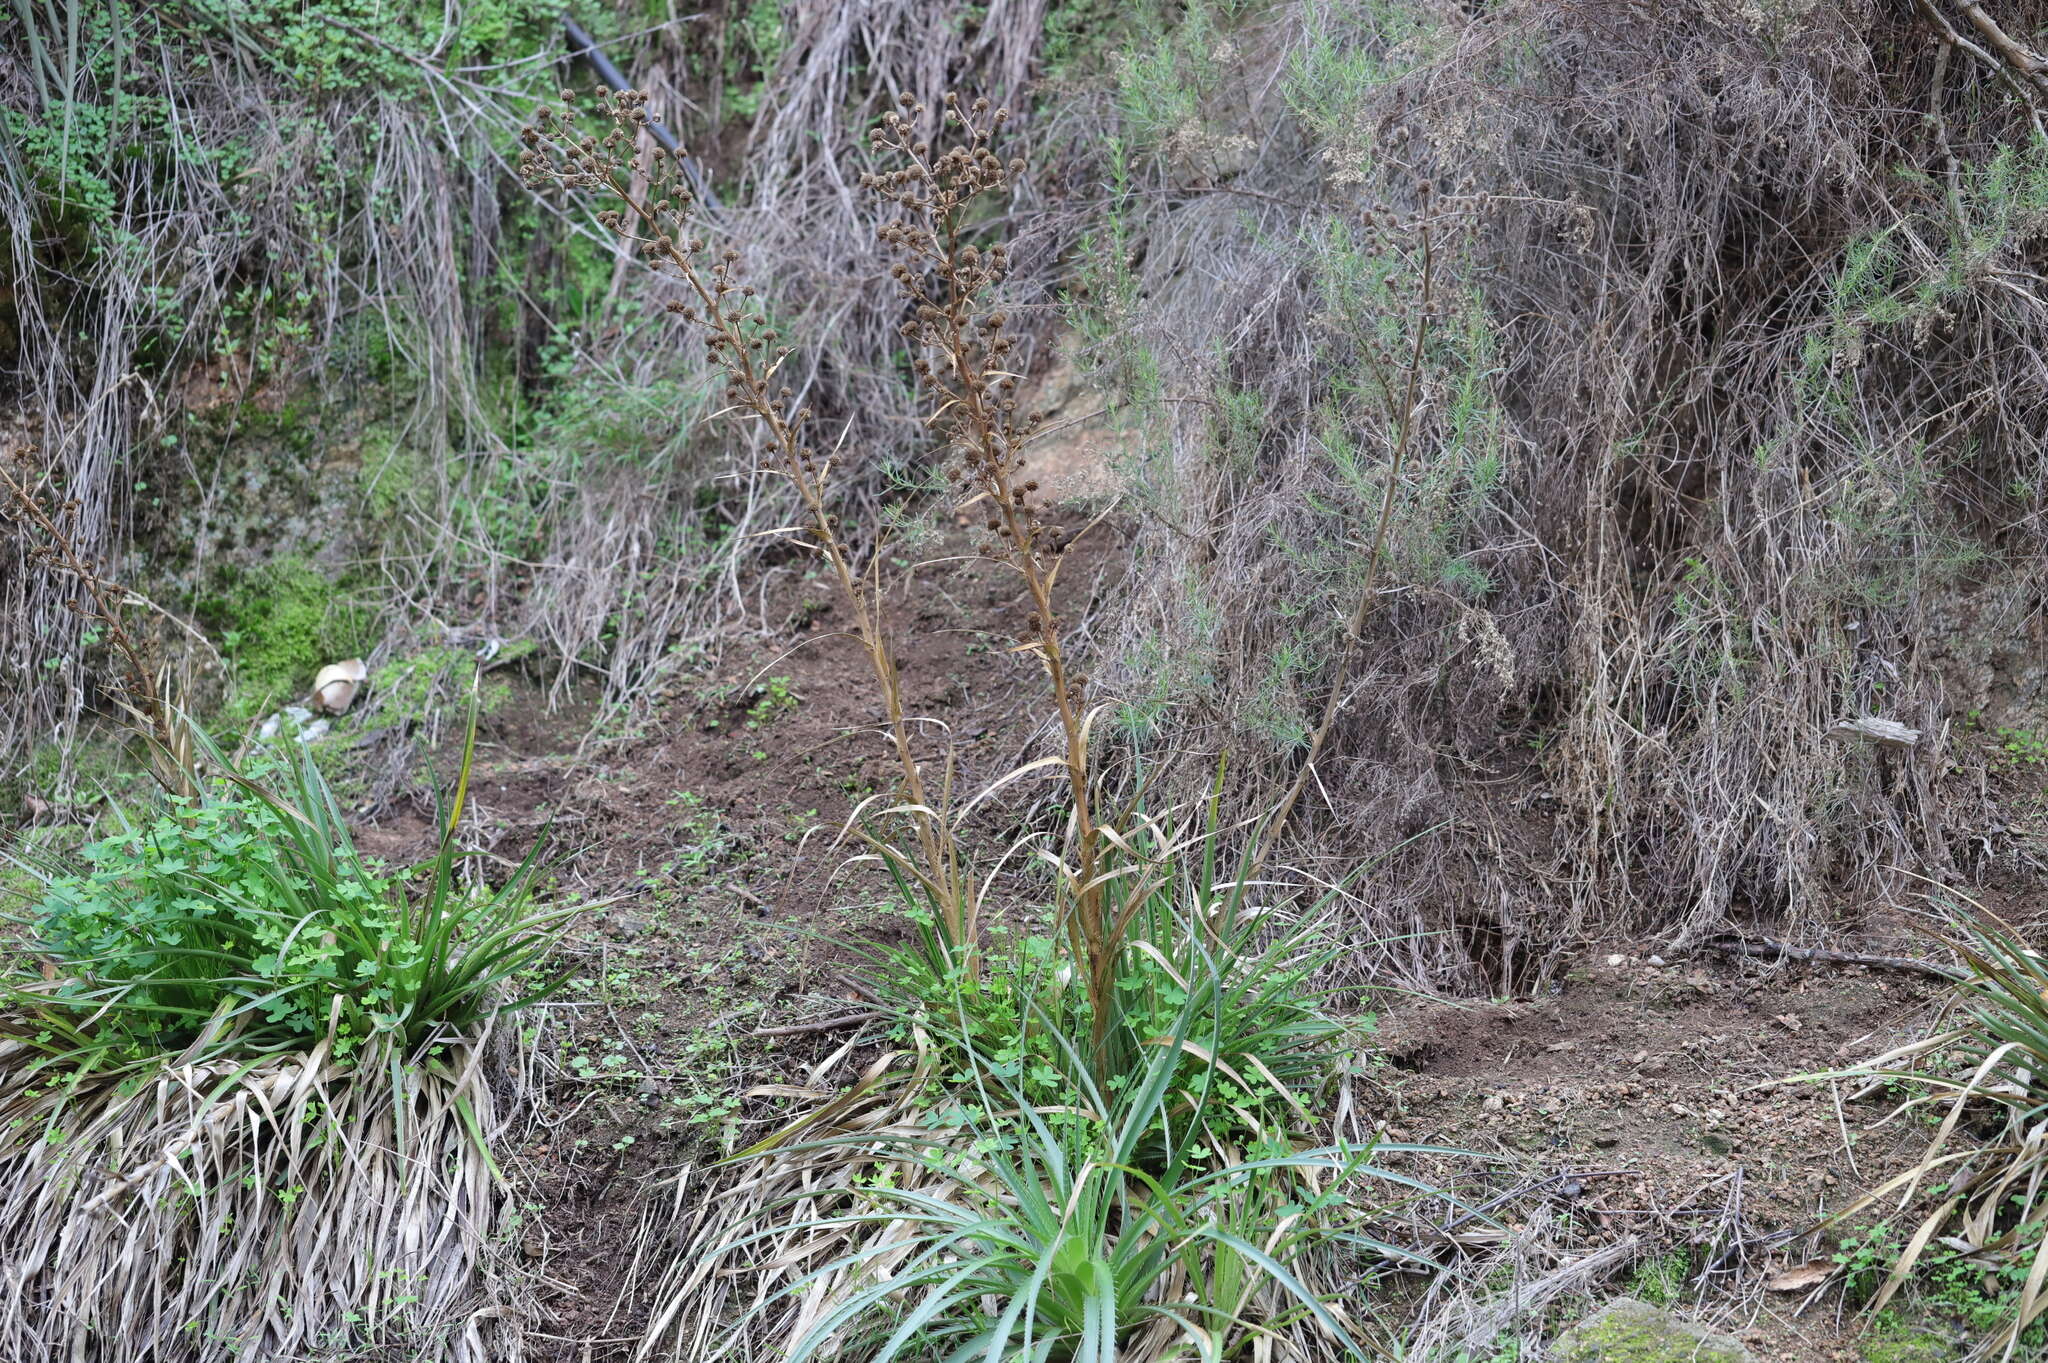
(963, 346)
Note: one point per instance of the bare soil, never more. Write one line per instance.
(1650, 1101)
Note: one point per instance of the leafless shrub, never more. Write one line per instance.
(1728, 416)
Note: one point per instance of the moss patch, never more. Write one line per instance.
(1905, 1348)
(278, 624)
(1630, 1331)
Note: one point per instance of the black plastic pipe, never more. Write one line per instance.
(581, 44)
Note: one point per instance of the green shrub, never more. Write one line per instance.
(234, 1043)
(162, 906)
(1255, 1032)
(1058, 1191)
(243, 920)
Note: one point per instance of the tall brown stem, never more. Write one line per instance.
(976, 398)
(655, 214)
(961, 348)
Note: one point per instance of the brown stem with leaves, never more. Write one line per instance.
(944, 277)
(962, 348)
(657, 215)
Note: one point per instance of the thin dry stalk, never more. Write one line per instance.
(1466, 1313)
(945, 277)
(656, 215)
(53, 538)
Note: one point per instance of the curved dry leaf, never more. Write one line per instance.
(1801, 1278)
(334, 689)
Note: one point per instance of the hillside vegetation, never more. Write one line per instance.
(877, 658)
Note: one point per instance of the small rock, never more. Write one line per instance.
(1626, 1330)
(1617, 960)
(1607, 1140)
(1657, 960)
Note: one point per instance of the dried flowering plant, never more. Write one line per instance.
(1159, 1192)
(962, 346)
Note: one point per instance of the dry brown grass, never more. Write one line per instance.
(286, 1207)
(114, 323)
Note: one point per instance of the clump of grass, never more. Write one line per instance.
(1114, 1225)
(1039, 1191)
(1088, 1145)
(1985, 1173)
(245, 1097)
